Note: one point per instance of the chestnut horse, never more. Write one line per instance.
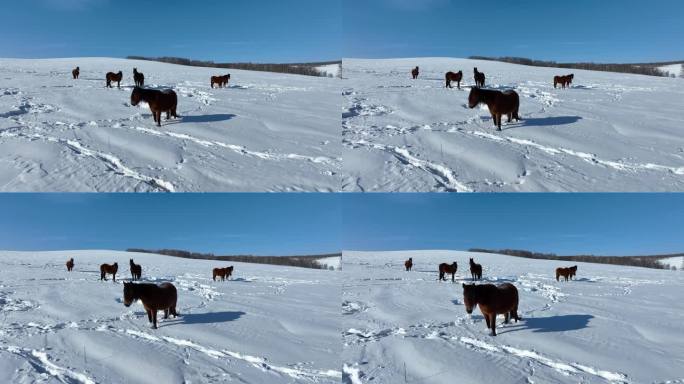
(139, 78)
(408, 264)
(493, 300)
(108, 269)
(475, 270)
(564, 81)
(136, 270)
(479, 78)
(451, 76)
(222, 273)
(70, 264)
(414, 73)
(222, 81)
(159, 101)
(567, 273)
(499, 103)
(445, 268)
(111, 76)
(162, 297)
(76, 72)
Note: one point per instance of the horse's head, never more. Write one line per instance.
(474, 98)
(469, 297)
(129, 294)
(454, 264)
(136, 96)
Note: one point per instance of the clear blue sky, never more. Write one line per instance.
(577, 30)
(566, 224)
(218, 30)
(260, 224)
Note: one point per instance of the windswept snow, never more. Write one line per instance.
(264, 132)
(268, 324)
(677, 262)
(612, 324)
(675, 70)
(608, 132)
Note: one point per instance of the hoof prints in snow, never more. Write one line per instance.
(41, 363)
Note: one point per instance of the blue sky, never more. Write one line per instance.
(218, 30)
(260, 224)
(578, 30)
(566, 224)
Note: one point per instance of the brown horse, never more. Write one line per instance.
(136, 270)
(162, 297)
(479, 78)
(499, 103)
(493, 300)
(108, 269)
(475, 270)
(451, 76)
(159, 101)
(414, 72)
(222, 273)
(567, 273)
(564, 81)
(76, 72)
(221, 81)
(445, 268)
(408, 264)
(116, 77)
(139, 78)
(70, 264)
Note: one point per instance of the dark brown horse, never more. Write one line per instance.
(70, 264)
(108, 269)
(222, 273)
(139, 78)
(221, 81)
(451, 76)
(563, 81)
(408, 264)
(159, 101)
(499, 103)
(493, 300)
(475, 270)
(479, 78)
(566, 272)
(162, 297)
(445, 268)
(76, 72)
(136, 270)
(414, 72)
(114, 77)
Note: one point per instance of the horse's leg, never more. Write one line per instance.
(486, 316)
(154, 318)
(114, 277)
(498, 121)
(149, 315)
(168, 114)
(493, 322)
(453, 276)
(510, 117)
(166, 313)
(506, 317)
(459, 84)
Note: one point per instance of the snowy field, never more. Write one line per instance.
(673, 70)
(269, 324)
(265, 132)
(609, 132)
(677, 262)
(613, 324)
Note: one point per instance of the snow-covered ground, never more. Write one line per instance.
(677, 262)
(265, 132)
(333, 70)
(609, 132)
(268, 324)
(613, 324)
(333, 262)
(673, 70)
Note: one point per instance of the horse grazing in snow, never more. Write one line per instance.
(499, 103)
(493, 300)
(162, 297)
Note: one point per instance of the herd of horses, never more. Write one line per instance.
(159, 101)
(506, 103)
(162, 297)
(493, 300)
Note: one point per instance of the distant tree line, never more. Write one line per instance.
(305, 261)
(650, 261)
(650, 69)
(307, 69)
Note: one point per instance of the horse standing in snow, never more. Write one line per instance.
(408, 264)
(114, 77)
(221, 81)
(565, 272)
(136, 270)
(162, 297)
(138, 78)
(573, 271)
(159, 101)
(475, 270)
(564, 81)
(479, 78)
(414, 73)
(70, 264)
(222, 273)
(445, 268)
(493, 300)
(499, 103)
(108, 269)
(451, 76)
(76, 72)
